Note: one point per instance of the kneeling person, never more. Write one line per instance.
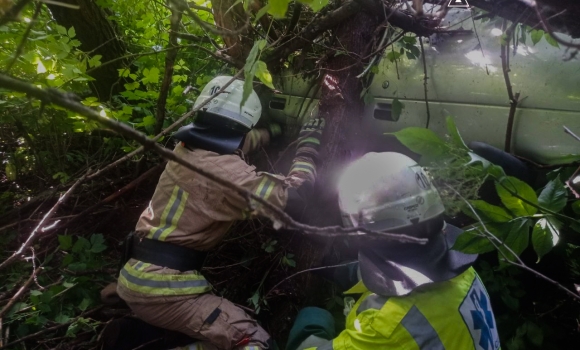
(414, 296)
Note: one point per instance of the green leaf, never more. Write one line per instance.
(97, 243)
(534, 333)
(513, 201)
(278, 8)
(422, 141)
(81, 245)
(261, 13)
(545, 235)
(315, 5)
(151, 75)
(131, 86)
(496, 172)
(393, 55)
(65, 242)
(473, 242)
(487, 212)
(554, 196)
(60, 318)
(550, 39)
(263, 74)
(148, 121)
(85, 304)
(250, 69)
(60, 29)
(397, 109)
(71, 32)
(576, 207)
(537, 35)
(517, 239)
(454, 133)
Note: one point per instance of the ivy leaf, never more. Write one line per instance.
(278, 8)
(537, 35)
(554, 196)
(148, 121)
(550, 39)
(65, 242)
(516, 205)
(487, 212)
(454, 133)
(263, 74)
(422, 141)
(545, 235)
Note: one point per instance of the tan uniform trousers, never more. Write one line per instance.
(213, 320)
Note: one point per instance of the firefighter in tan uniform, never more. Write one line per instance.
(189, 215)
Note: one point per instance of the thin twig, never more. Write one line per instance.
(425, 82)
(568, 131)
(280, 218)
(547, 27)
(14, 11)
(46, 217)
(21, 291)
(303, 271)
(183, 6)
(513, 98)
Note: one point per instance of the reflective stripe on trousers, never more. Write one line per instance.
(162, 284)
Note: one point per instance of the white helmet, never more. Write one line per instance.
(386, 192)
(228, 104)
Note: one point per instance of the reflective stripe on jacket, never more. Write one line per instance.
(450, 315)
(192, 211)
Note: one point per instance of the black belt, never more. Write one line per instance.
(164, 254)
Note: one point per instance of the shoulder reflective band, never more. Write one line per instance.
(265, 188)
(421, 330)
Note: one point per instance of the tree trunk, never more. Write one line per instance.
(97, 35)
(237, 46)
(342, 108)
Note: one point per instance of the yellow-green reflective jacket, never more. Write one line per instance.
(450, 315)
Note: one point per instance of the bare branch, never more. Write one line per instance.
(425, 82)
(21, 291)
(568, 131)
(280, 218)
(183, 6)
(168, 74)
(46, 217)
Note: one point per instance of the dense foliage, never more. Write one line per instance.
(51, 289)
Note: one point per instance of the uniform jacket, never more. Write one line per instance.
(190, 210)
(450, 315)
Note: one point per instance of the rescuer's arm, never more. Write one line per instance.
(302, 175)
(257, 138)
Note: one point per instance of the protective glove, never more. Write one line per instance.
(274, 129)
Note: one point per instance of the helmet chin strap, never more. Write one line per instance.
(210, 138)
